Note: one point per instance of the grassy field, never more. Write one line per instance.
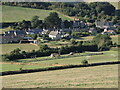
(106, 57)
(6, 48)
(88, 77)
(15, 14)
(51, 62)
(14, 67)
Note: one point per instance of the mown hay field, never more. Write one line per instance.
(105, 76)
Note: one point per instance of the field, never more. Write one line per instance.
(66, 60)
(6, 48)
(88, 77)
(14, 67)
(15, 14)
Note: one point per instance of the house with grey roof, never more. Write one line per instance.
(9, 39)
(104, 24)
(78, 24)
(55, 35)
(34, 31)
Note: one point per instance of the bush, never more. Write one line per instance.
(84, 62)
(5, 59)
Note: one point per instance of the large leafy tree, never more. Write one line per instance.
(103, 41)
(36, 23)
(53, 20)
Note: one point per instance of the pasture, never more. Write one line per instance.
(15, 14)
(76, 59)
(15, 67)
(105, 76)
(6, 48)
(106, 57)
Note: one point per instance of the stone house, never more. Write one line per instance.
(55, 35)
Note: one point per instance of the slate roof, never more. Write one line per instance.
(54, 33)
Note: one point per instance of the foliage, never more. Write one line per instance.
(67, 24)
(36, 23)
(38, 5)
(92, 10)
(84, 62)
(103, 41)
(22, 25)
(44, 50)
(53, 20)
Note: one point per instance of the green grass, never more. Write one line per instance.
(105, 76)
(15, 14)
(106, 57)
(6, 48)
(13, 67)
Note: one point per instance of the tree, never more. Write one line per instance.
(67, 24)
(53, 20)
(84, 62)
(44, 47)
(103, 41)
(36, 23)
(16, 51)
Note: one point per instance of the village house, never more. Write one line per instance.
(55, 35)
(78, 24)
(34, 31)
(104, 24)
(108, 31)
(15, 33)
(12, 36)
(93, 31)
(9, 39)
(19, 33)
(45, 31)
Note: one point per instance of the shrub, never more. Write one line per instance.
(5, 58)
(84, 62)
